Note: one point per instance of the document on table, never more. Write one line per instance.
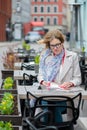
(58, 88)
(72, 89)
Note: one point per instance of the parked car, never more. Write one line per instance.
(32, 37)
(40, 30)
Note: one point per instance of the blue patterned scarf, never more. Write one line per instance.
(51, 68)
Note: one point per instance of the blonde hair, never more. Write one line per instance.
(50, 36)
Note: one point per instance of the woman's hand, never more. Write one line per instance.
(67, 85)
(45, 83)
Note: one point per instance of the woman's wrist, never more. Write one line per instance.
(72, 85)
(41, 82)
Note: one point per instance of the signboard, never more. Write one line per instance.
(17, 31)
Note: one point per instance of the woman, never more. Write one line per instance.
(58, 65)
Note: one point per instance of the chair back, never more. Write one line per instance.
(53, 107)
(27, 67)
(30, 79)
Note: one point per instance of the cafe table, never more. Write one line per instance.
(21, 55)
(82, 121)
(17, 65)
(22, 91)
(18, 74)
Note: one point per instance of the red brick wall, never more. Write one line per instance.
(5, 14)
(60, 5)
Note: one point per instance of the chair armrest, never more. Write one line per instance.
(77, 106)
(31, 124)
(42, 114)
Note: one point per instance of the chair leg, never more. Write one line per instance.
(82, 104)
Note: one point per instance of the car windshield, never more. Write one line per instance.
(37, 28)
(33, 33)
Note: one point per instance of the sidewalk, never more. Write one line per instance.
(2, 44)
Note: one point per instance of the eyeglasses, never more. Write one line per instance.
(56, 45)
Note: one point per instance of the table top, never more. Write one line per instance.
(21, 55)
(22, 90)
(18, 74)
(17, 65)
(83, 122)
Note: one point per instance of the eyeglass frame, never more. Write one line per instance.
(56, 45)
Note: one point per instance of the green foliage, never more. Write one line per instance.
(7, 86)
(83, 49)
(37, 59)
(9, 80)
(7, 104)
(5, 125)
(26, 46)
(8, 83)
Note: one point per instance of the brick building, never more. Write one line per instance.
(52, 12)
(5, 15)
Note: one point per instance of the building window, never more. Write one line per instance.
(41, 19)
(42, 9)
(55, 0)
(48, 0)
(42, 0)
(55, 21)
(48, 21)
(18, 8)
(35, 9)
(55, 9)
(35, 19)
(48, 9)
(35, 0)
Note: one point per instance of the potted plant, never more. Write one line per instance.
(7, 104)
(25, 46)
(4, 125)
(10, 108)
(37, 60)
(8, 85)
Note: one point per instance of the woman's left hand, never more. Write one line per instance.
(66, 85)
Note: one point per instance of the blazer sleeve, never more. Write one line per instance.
(76, 73)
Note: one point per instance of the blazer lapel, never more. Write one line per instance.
(66, 66)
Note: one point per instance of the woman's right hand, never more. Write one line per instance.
(45, 83)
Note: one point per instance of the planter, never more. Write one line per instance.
(15, 117)
(13, 90)
(7, 73)
(17, 127)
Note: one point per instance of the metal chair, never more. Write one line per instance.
(83, 68)
(27, 80)
(27, 67)
(30, 126)
(46, 116)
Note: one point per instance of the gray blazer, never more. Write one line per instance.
(69, 70)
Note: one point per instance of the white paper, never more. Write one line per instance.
(55, 86)
(72, 89)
